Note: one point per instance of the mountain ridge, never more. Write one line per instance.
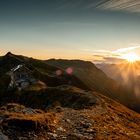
(68, 108)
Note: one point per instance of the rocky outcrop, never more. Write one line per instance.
(3, 137)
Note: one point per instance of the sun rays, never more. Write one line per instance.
(129, 72)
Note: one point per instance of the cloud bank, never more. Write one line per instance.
(115, 56)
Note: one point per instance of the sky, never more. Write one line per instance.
(95, 30)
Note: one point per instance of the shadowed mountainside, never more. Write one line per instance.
(97, 80)
(40, 70)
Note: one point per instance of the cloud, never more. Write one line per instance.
(96, 52)
(110, 56)
(120, 5)
(122, 50)
(113, 59)
(107, 59)
(114, 56)
(102, 51)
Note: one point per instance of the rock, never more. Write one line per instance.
(75, 136)
(78, 135)
(3, 137)
(67, 120)
(13, 107)
(91, 131)
(1, 118)
(64, 138)
(61, 129)
(53, 135)
(86, 124)
(59, 109)
(29, 111)
(22, 124)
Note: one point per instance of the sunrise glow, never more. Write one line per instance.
(131, 57)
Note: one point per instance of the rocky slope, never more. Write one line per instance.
(105, 119)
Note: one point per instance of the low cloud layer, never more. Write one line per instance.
(115, 56)
(107, 59)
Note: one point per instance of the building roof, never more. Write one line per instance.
(16, 68)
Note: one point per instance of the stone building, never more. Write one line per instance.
(21, 77)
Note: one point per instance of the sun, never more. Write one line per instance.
(131, 57)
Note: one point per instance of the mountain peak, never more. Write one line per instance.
(9, 54)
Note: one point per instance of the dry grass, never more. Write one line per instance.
(35, 121)
(37, 86)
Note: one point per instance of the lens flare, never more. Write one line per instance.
(58, 72)
(69, 70)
